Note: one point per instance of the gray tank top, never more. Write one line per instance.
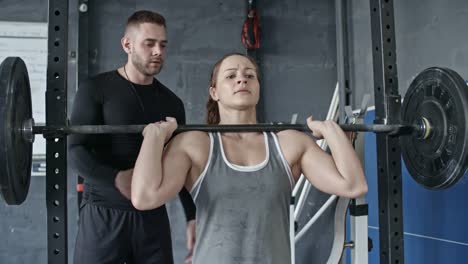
(243, 211)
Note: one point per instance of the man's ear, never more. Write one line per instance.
(126, 45)
(213, 94)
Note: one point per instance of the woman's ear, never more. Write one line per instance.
(213, 94)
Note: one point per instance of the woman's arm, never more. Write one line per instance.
(340, 173)
(159, 173)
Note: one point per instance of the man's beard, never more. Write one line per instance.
(140, 66)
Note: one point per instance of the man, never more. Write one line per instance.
(111, 230)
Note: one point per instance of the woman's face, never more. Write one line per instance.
(237, 84)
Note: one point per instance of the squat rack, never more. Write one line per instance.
(387, 109)
(56, 148)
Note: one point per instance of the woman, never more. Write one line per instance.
(241, 182)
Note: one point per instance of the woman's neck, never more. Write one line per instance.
(237, 117)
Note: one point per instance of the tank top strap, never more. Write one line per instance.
(277, 154)
(212, 155)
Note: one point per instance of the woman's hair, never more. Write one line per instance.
(212, 116)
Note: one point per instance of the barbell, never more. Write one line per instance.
(434, 132)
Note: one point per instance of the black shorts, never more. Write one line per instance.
(108, 235)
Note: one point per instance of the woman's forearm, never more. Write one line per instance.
(347, 162)
(147, 174)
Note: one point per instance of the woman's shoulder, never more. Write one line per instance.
(294, 137)
(195, 144)
(193, 134)
(192, 138)
(291, 134)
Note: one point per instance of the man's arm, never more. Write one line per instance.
(187, 203)
(87, 110)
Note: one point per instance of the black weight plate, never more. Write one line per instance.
(441, 96)
(15, 151)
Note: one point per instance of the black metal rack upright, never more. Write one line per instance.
(82, 59)
(387, 111)
(56, 147)
(342, 56)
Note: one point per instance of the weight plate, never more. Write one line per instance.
(441, 96)
(15, 151)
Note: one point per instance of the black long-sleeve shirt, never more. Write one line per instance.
(109, 99)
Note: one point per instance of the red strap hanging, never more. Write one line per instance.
(251, 30)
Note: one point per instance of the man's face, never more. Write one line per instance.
(148, 49)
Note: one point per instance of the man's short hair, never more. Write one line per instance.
(145, 16)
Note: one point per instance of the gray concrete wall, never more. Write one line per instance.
(26, 10)
(428, 33)
(298, 61)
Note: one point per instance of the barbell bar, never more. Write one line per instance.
(29, 129)
(434, 133)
